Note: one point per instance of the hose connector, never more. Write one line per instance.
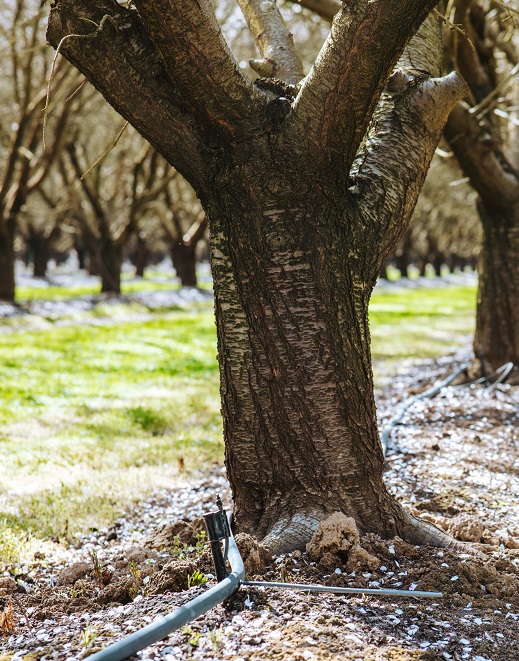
(218, 529)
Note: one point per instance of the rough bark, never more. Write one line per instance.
(496, 340)
(299, 232)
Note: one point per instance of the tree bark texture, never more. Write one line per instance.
(496, 340)
(304, 204)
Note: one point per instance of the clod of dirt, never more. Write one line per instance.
(336, 535)
(120, 592)
(173, 577)
(139, 554)
(359, 559)
(466, 528)
(255, 557)
(7, 586)
(70, 575)
(180, 531)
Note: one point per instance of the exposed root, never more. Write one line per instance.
(293, 533)
(424, 533)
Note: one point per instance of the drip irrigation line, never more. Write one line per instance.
(503, 372)
(189, 611)
(339, 590)
(430, 392)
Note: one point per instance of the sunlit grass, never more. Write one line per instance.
(94, 417)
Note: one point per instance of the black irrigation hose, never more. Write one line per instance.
(158, 630)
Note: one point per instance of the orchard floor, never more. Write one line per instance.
(454, 460)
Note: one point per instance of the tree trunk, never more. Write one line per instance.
(40, 256)
(295, 365)
(496, 339)
(183, 258)
(110, 264)
(7, 264)
(141, 256)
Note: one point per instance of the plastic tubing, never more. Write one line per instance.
(338, 590)
(189, 611)
(430, 392)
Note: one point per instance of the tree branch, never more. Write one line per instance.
(481, 160)
(338, 97)
(408, 123)
(199, 62)
(279, 56)
(121, 62)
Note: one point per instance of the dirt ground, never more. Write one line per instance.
(454, 460)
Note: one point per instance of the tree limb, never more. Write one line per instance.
(490, 174)
(279, 56)
(199, 62)
(121, 62)
(407, 126)
(338, 97)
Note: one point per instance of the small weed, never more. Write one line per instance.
(136, 587)
(201, 539)
(7, 620)
(178, 549)
(98, 572)
(88, 636)
(215, 638)
(196, 578)
(194, 636)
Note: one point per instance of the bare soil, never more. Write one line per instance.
(454, 460)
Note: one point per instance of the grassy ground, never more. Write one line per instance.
(95, 417)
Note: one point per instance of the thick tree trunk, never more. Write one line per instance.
(496, 339)
(296, 378)
(183, 258)
(7, 264)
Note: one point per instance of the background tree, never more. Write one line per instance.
(482, 134)
(117, 193)
(25, 163)
(304, 204)
(184, 224)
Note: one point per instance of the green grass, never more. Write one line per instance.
(94, 417)
(56, 293)
(420, 322)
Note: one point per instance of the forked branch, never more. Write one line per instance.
(199, 62)
(339, 96)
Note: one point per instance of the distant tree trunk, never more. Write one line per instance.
(40, 255)
(496, 339)
(141, 256)
(110, 265)
(81, 257)
(183, 258)
(7, 263)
